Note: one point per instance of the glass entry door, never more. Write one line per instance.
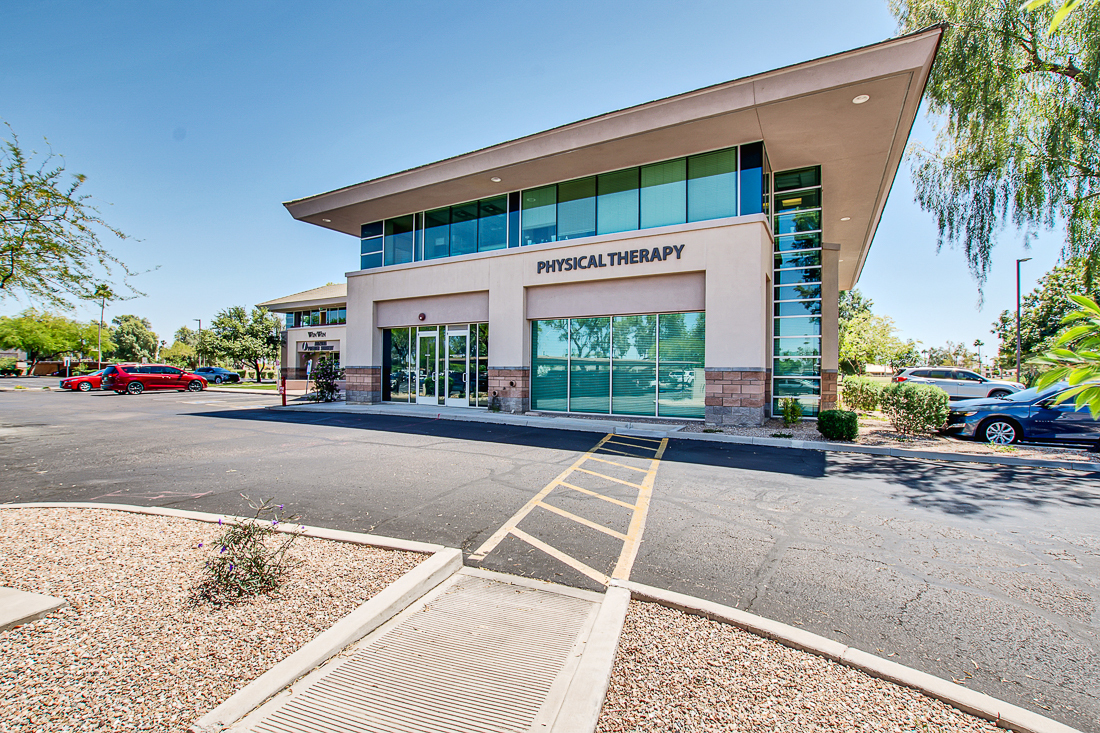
(458, 372)
(427, 372)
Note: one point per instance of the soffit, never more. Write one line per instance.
(804, 114)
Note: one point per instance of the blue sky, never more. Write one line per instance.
(194, 121)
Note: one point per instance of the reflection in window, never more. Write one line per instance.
(712, 185)
(550, 365)
(664, 194)
(577, 208)
(617, 203)
(399, 240)
(540, 215)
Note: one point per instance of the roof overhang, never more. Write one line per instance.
(803, 113)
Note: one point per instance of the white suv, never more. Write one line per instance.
(959, 384)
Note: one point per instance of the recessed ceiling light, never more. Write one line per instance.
(494, 179)
(860, 99)
(845, 218)
(327, 221)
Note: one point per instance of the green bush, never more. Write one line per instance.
(324, 376)
(8, 366)
(249, 557)
(792, 410)
(915, 408)
(838, 424)
(861, 393)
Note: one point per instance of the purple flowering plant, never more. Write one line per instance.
(250, 556)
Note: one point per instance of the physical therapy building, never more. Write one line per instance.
(678, 259)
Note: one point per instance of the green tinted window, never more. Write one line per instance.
(590, 365)
(803, 258)
(464, 229)
(798, 308)
(797, 292)
(549, 365)
(796, 179)
(492, 226)
(794, 277)
(809, 406)
(577, 208)
(797, 367)
(798, 221)
(399, 240)
(796, 387)
(540, 215)
(798, 241)
(798, 200)
(437, 233)
(810, 326)
(617, 202)
(681, 382)
(664, 194)
(712, 185)
(797, 347)
(634, 367)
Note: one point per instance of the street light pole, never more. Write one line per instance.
(1025, 259)
(199, 349)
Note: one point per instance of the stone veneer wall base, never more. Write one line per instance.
(363, 385)
(736, 396)
(510, 387)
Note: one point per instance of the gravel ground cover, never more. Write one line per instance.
(130, 653)
(684, 673)
(874, 430)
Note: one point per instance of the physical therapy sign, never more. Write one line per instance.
(614, 259)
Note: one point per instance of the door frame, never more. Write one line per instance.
(464, 401)
(432, 399)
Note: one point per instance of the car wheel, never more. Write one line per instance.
(999, 432)
(217, 380)
(135, 388)
(194, 386)
(999, 393)
(84, 386)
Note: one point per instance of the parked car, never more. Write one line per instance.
(217, 375)
(959, 384)
(1027, 415)
(136, 378)
(83, 383)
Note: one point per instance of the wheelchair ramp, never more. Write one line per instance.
(478, 654)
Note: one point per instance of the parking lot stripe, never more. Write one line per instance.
(598, 496)
(637, 521)
(582, 520)
(620, 465)
(557, 554)
(610, 478)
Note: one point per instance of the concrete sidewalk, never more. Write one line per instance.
(669, 430)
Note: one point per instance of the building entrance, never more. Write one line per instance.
(437, 365)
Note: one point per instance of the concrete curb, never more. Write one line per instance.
(357, 624)
(355, 538)
(651, 430)
(580, 709)
(19, 607)
(245, 390)
(977, 704)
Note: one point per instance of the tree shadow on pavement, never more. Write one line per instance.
(972, 489)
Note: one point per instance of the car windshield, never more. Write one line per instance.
(1029, 395)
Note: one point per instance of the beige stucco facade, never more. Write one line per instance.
(721, 267)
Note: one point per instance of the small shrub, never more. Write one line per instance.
(861, 393)
(792, 410)
(838, 424)
(20, 386)
(782, 435)
(915, 408)
(712, 430)
(250, 557)
(325, 375)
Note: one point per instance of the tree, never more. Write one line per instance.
(1041, 313)
(953, 354)
(869, 339)
(1020, 125)
(49, 242)
(1076, 357)
(185, 335)
(181, 354)
(244, 338)
(852, 304)
(134, 338)
(1059, 17)
(40, 334)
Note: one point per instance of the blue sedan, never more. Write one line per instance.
(1027, 415)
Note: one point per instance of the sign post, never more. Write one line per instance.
(68, 366)
(309, 370)
(282, 387)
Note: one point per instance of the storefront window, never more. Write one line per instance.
(550, 365)
(577, 209)
(629, 365)
(436, 364)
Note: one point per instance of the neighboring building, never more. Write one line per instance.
(314, 329)
(682, 258)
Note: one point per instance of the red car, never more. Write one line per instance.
(136, 378)
(83, 383)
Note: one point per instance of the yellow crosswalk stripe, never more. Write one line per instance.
(581, 520)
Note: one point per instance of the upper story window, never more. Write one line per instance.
(317, 317)
(714, 185)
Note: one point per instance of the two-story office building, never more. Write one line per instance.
(682, 258)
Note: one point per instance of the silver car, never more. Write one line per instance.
(959, 384)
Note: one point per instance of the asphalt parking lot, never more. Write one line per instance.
(989, 575)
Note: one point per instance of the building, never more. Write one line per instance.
(315, 328)
(682, 258)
